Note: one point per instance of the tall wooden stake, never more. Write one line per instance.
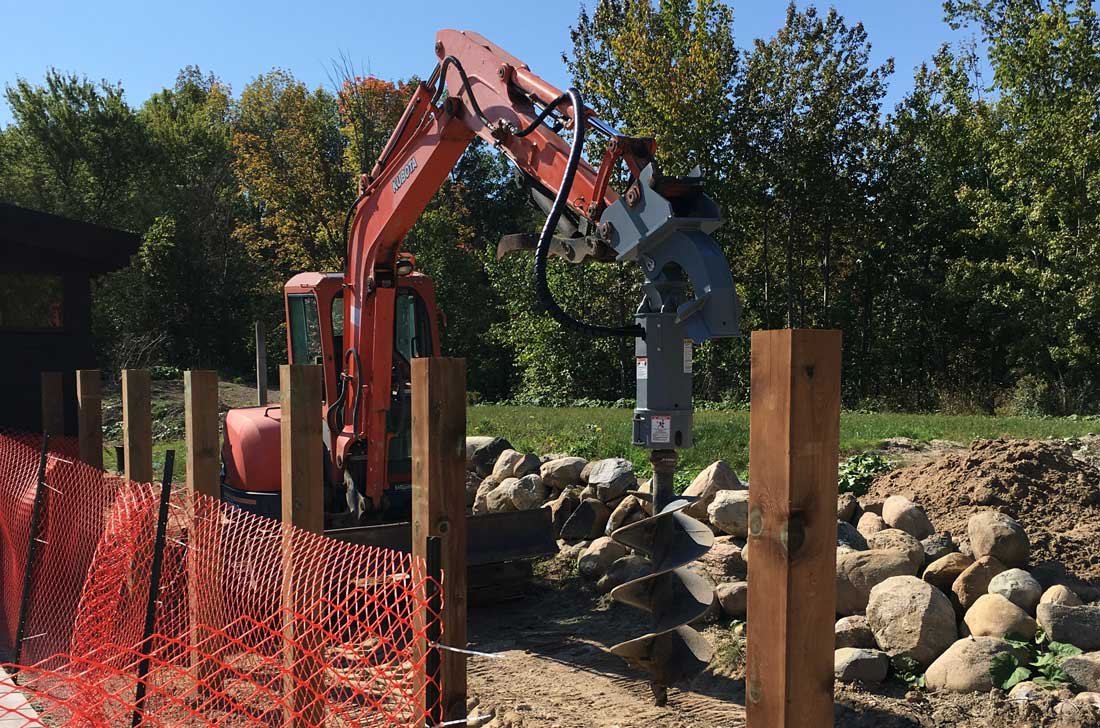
(302, 507)
(794, 432)
(439, 513)
(137, 425)
(200, 394)
(89, 415)
(53, 404)
(261, 364)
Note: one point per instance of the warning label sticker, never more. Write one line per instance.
(687, 356)
(660, 428)
(643, 368)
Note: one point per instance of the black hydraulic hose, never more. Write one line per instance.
(452, 61)
(542, 252)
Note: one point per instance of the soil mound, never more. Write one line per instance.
(1054, 496)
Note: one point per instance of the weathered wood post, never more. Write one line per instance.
(53, 404)
(137, 425)
(439, 512)
(793, 444)
(89, 414)
(302, 507)
(200, 395)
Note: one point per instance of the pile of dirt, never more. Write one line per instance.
(1052, 494)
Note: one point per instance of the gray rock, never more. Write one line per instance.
(853, 664)
(847, 535)
(870, 523)
(858, 572)
(629, 510)
(562, 472)
(571, 551)
(499, 499)
(599, 556)
(994, 616)
(473, 482)
(723, 562)
(588, 520)
(973, 582)
(627, 568)
(871, 505)
(513, 464)
(942, 572)
(729, 512)
(561, 508)
(1026, 692)
(895, 539)
(611, 478)
(715, 477)
(1018, 587)
(481, 503)
(1084, 670)
(482, 453)
(528, 493)
(733, 596)
(995, 534)
(1092, 700)
(846, 507)
(854, 631)
(912, 618)
(964, 667)
(1079, 626)
(901, 513)
(1061, 594)
(937, 546)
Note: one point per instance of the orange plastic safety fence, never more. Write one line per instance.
(257, 623)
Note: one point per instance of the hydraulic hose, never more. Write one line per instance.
(542, 252)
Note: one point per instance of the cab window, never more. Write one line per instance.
(305, 329)
(412, 336)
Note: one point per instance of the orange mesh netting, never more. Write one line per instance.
(256, 623)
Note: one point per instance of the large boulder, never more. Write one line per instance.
(994, 616)
(858, 572)
(723, 562)
(482, 453)
(974, 580)
(733, 596)
(1079, 626)
(995, 534)
(562, 472)
(528, 493)
(854, 631)
(1061, 594)
(629, 510)
(1018, 587)
(847, 506)
(912, 618)
(499, 499)
(894, 539)
(514, 464)
(1084, 670)
(964, 667)
(624, 569)
(611, 478)
(715, 477)
(847, 535)
(870, 523)
(854, 664)
(588, 520)
(561, 508)
(937, 546)
(942, 572)
(729, 512)
(599, 556)
(901, 513)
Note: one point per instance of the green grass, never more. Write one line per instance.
(605, 432)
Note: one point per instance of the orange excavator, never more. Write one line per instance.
(364, 325)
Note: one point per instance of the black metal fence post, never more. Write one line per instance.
(433, 631)
(32, 551)
(154, 587)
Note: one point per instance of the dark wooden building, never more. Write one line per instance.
(46, 266)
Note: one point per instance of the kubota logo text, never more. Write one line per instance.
(404, 174)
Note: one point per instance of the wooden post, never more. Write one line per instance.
(261, 364)
(204, 584)
(794, 429)
(137, 425)
(439, 506)
(53, 404)
(89, 415)
(303, 507)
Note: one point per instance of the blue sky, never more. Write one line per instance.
(143, 44)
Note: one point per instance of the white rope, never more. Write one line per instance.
(473, 653)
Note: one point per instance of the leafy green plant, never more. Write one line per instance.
(908, 671)
(858, 472)
(1037, 659)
